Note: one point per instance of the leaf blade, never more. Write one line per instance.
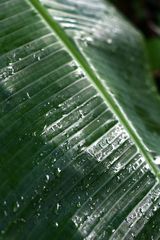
(38, 118)
(110, 44)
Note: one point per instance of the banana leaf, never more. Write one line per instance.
(79, 124)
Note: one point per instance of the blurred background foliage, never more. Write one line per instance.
(145, 15)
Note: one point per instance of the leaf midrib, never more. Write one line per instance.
(110, 101)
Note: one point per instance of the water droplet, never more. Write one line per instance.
(38, 214)
(155, 208)
(56, 224)
(157, 160)
(84, 39)
(28, 95)
(87, 40)
(73, 64)
(78, 204)
(79, 73)
(10, 69)
(109, 41)
(117, 167)
(81, 113)
(34, 133)
(47, 178)
(57, 206)
(37, 56)
(16, 206)
(45, 126)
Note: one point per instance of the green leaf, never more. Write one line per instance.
(76, 139)
(116, 51)
(153, 46)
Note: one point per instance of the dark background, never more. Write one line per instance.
(145, 15)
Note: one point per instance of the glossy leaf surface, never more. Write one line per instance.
(116, 51)
(68, 167)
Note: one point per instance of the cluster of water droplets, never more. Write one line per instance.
(108, 142)
(7, 71)
(38, 55)
(145, 209)
(156, 159)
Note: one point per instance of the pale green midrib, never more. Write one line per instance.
(97, 83)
